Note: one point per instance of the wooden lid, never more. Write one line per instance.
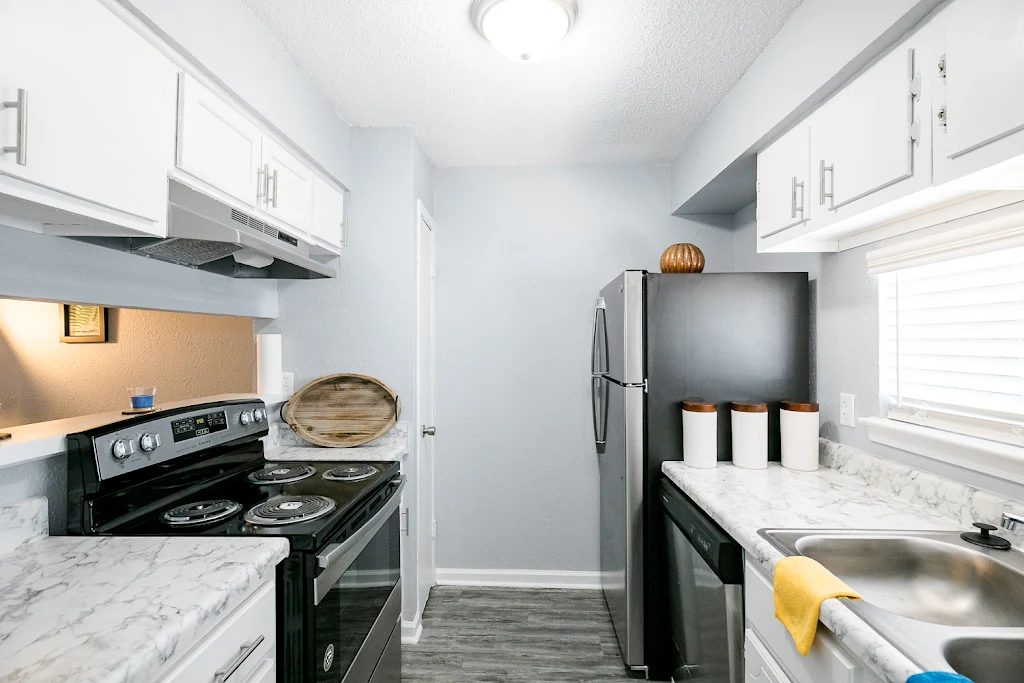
(699, 405)
(795, 407)
(749, 407)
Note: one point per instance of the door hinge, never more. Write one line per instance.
(942, 67)
(433, 528)
(433, 270)
(645, 385)
(915, 132)
(915, 86)
(757, 187)
(943, 116)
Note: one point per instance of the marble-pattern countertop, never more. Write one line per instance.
(854, 491)
(283, 445)
(94, 609)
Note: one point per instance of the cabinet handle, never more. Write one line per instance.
(822, 168)
(20, 149)
(260, 178)
(274, 177)
(794, 208)
(222, 675)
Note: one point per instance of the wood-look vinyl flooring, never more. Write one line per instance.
(514, 635)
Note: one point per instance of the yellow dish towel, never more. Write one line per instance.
(801, 585)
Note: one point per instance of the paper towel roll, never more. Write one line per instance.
(269, 378)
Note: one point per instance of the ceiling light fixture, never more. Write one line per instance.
(524, 30)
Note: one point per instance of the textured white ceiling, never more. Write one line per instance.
(631, 82)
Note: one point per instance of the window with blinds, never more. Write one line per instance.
(951, 351)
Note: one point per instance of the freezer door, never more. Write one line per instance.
(624, 316)
(599, 399)
(622, 520)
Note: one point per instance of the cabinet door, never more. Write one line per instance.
(289, 194)
(328, 212)
(868, 137)
(759, 665)
(218, 144)
(97, 114)
(266, 673)
(983, 90)
(783, 174)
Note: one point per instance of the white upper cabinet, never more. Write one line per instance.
(328, 213)
(783, 182)
(92, 115)
(218, 144)
(981, 94)
(289, 186)
(871, 139)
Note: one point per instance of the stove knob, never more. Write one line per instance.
(245, 418)
(150, 442)
(123, 448)
(258, 415)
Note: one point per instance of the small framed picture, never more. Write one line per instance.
(83, 324)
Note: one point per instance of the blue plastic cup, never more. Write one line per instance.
(141, 397)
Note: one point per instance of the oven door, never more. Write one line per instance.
(357, 597)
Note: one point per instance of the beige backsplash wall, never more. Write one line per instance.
(185, 355)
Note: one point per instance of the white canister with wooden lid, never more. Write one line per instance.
(700, 433)
(798, 423)
(750, 435)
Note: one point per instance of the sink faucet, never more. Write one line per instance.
(1013, 522)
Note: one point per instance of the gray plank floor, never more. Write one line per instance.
(514, 635)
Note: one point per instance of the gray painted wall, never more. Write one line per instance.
(522, 253)
(822, 45)
(34, 266)
(845, 343)
(231, 44)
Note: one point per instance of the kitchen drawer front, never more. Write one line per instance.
(266, 673)
(759, 665)
(229, 642)
(827, 662)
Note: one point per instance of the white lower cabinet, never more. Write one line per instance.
(241, 649)
(759, 665)
(827, 662)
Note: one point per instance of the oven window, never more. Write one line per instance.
(346, 614)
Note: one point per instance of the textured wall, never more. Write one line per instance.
(521, 256)
(184, 355)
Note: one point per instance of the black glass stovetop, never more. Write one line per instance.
(185, 488)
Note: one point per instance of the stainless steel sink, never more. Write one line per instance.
(947, 604)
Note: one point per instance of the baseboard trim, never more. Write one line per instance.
(412, 630)
(518, 578)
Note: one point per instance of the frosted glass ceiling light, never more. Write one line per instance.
(524, 30)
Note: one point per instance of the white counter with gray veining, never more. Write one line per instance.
(114, 609)
(283, 445)
(854, 490)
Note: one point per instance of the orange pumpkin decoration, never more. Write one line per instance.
(682, 258)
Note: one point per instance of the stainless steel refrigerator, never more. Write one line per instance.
(659, 339)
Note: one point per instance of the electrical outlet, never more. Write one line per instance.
(847, 415)
(288, 383)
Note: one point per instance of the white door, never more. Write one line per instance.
(289, 195)
(328, 212)
(870, 136)
(783, 177)
(426, 273)
(97, 113)
(219, 145)
(982, 92)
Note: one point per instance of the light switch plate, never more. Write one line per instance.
(847, 415)
(288, 383)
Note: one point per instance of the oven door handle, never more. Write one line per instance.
(338, 557)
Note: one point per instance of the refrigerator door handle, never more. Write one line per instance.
(599, 401)
(599, 350)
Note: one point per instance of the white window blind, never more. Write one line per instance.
(951, 344)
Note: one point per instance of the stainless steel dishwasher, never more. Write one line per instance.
(705, 593)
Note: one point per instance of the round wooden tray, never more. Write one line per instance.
(341, 411)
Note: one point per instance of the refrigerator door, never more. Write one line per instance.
(599, 348)
(622, 520)
(624, 318)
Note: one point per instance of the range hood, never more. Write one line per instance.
(207, 234)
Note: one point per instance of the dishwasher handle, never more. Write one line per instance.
(722, 553)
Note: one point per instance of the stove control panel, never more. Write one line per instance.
(172, 434)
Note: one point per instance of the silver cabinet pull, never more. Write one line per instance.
(21, 144)
(274, 177)
(822, 168)
(261, 174)
(221, 675)
(794, 207)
